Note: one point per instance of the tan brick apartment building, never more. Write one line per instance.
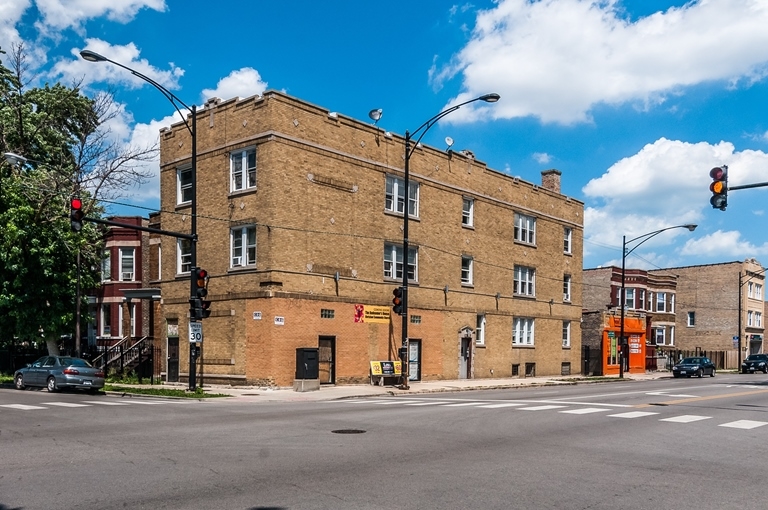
(299, 223)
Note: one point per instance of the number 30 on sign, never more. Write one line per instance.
(195, 332)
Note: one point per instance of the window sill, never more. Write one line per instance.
(524, 296)
(400, 215)
(516, 346)
(468, 227)
(566, 347)
(240, 192)
(242, 269)
(479, 346)
(523, 243)
(467, 285)
(184, 205)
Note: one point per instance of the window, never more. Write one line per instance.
(629, 298)
(691, 319)
(106, 266)
(565, 368)
(243, 246)
(393, 262)
(243, 169)
(183, 256)
(661, 301)
(106, 320)
(159, 262)
(466, 270)
(758, 291)
(525, 228)
(749, 318)
(468, 213)
(480, 330)
(567, 288)
(642, 300)
(395, 193)
(567, 235)
(126, 264)
(749, 289)
(132, 311)
(184, 185)
(566, 333)
(758, 320)
(524, 281)
(658, 335)
(325, 313)
(415, 319)
(523, 331)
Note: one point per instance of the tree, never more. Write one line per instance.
(69, 152)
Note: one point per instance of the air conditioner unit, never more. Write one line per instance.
(127, 277)
(236, 261)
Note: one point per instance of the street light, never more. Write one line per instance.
(623, 354)
(92, 56)
(375, 115)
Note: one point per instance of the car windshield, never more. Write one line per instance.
(74, 362)
(690, 361)
(756, 357)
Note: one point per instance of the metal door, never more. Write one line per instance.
(414, 360)
(172, 372)
(326, 355)
(465, 358)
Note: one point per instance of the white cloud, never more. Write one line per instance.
(128, 55)
(722, 244)
(62, 14)
(542, 157)
(557, 59)
(10, 15)
(244, 82)
(665, 183)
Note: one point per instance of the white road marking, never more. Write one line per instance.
(432, 403)
(464, 404)
(632, 414)
(665, 394)
(498, 406)
(390, 402)
(586, 410)
(22, 407)
(153, 402)
(539, 408)
(355, 401)
(686, 418)
(65, 404)
(104, 403)
(744, 424)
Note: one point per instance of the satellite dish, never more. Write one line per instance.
(448, 141)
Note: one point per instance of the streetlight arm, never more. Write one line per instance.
(645, 237)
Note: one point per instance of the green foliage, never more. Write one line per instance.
(164, 392)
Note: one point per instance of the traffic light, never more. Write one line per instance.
(397, 300)
(76, 214)
(719, 187)
(202, 306)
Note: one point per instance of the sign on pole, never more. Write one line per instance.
(195, 332)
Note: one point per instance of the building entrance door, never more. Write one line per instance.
(414, 360)
(465, 358)
(326, 356)
(172, 371)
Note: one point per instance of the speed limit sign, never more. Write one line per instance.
(195, 332)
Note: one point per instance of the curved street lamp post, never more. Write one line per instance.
(92, 56)
(376, 115)
(623, 353)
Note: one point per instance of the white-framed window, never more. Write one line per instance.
(466, 270)
(159, 262)
(567, 288)
(132, 311)
(106, 266)
(659, 336)
(468, 212)
(393, 263)
(183, 185)
(758, 291)
(127, 264)
(758, 320)
(525, 281)
(749, 289)
(671, 302)
(629, 298)
(480, 330)
(642, 299)
(691, 319)
(749, 318)
(522, 333)
(243, 169)
(183, 256)
(243, 246)
(567, 239)
(566, 333)
(106, 319)
(394, 196)
(525, 228)
(661, 301)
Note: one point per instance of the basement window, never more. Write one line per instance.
(325, 313)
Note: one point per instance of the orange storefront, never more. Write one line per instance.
(635, 332)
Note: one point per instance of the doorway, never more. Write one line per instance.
(326, 356)
(414, 360)
(465, 358)
(172, 373)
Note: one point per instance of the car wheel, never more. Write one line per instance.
(52, 384)
(699, 373)
(713, 373)
(765, 370)
(20, 382)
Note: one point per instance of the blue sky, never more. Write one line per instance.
(634, 101)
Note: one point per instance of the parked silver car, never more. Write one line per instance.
(58, 372)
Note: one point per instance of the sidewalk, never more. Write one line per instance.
(334, 392)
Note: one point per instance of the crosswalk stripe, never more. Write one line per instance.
(498, 406)
(151, 402)
(65, 404)
(22, 407)
(390, 402)
(465, 404)
(540, 408)
(744, 424)
(104, 403)
(686, 418)
(355, 401)
(632, 414)
(585, 410)
(428, 403)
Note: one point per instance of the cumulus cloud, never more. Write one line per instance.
(542, 157)
(61, 14)
(557, 59)
(723, 244)
(10, 15)
(244, 82)
(666, 183)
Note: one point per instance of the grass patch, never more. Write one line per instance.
(163, 392)
(6, 378)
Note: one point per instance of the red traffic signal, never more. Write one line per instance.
(201, 282)
(76, 214)
(397, 300)
(719, 187)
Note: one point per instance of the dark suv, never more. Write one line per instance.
(755, 362)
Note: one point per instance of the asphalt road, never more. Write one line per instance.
(688, 443)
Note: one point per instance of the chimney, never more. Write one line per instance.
(550, 179)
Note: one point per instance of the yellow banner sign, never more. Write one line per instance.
(368, 313)
(386, 367)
